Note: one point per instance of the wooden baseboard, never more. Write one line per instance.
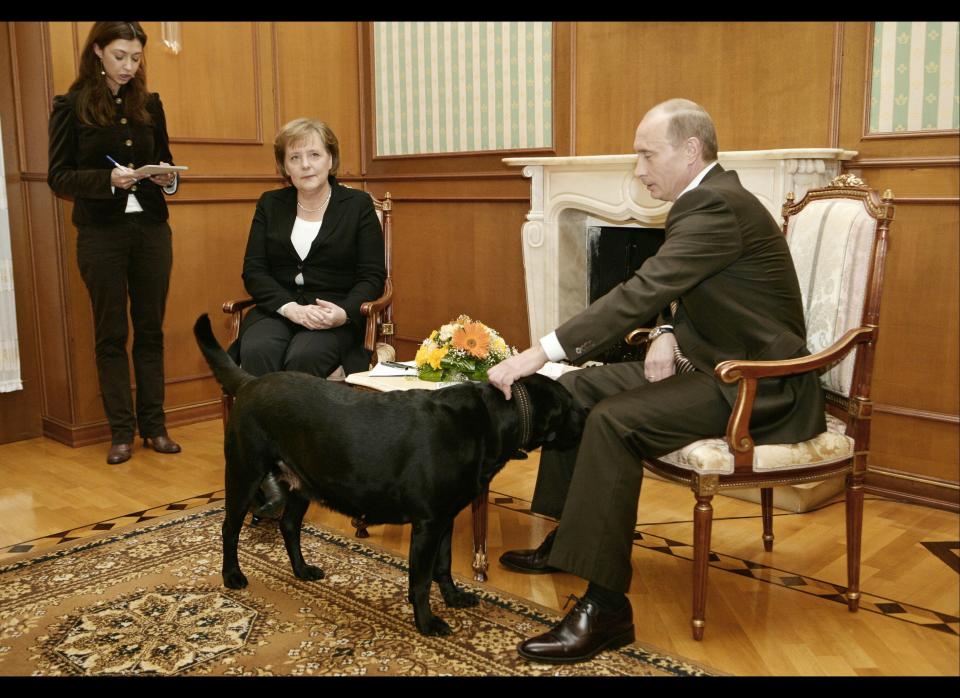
(75, 436)
(926, 491)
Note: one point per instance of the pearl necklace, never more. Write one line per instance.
(322, 206)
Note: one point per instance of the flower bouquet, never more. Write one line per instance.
(461, 350)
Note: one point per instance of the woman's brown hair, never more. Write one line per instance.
(95, 102)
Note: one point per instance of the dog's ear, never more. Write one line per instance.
(558, 419)
(570, 429)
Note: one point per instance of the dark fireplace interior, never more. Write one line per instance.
(613, 255)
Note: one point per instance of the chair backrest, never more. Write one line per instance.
(837, 237)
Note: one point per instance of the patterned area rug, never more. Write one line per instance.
(150, 602)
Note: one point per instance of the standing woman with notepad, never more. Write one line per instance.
(105, 127)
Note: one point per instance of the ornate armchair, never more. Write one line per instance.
(378, 337)
(838, 238)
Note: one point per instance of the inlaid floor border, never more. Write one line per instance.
(890, 608)
(872, 603)
(51, 541)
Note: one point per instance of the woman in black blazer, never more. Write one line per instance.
(106, 126)
(314, 255)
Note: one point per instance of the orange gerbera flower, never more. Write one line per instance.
(473, 339)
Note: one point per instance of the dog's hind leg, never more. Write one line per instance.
(453, 596)
(290, 524)
(239, 494)
(424, 548)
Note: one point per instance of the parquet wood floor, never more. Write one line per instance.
(767, 613)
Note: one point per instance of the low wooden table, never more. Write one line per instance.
(386, 384)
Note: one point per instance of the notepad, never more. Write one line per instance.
(150, 170)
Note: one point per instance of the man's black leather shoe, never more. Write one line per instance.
(584, 633)
(531, 561)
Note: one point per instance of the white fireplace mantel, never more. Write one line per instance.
(567, 193)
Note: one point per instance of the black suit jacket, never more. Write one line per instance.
(727, 261)
(79, 168)
(345, 264)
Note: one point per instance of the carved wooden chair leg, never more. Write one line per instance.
(360, 524)
(479, 510)
(766, 504)
(702, 526)
(854, 531)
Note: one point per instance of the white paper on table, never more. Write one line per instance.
(381, 370)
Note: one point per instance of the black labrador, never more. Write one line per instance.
(416, 456)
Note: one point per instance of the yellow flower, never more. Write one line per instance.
(435, 355)
(499, 345)
(422, 354)
(473, 339)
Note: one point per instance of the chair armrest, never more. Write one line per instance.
(236, 306)
(372, 311)
(372, 307)
(748, 373)
(734, 370)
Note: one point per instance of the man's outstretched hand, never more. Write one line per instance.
(526, 363)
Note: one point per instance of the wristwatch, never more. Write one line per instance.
(657, 331)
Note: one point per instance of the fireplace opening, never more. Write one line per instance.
(614, 253)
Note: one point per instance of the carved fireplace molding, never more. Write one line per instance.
(568, 194)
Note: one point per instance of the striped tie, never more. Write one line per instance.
(681, 364)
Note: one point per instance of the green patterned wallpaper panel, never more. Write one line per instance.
(915, 84)
(443, 87)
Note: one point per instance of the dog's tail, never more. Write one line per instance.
(230, 376)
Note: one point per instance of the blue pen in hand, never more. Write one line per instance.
(114, 161)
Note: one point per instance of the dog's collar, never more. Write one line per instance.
(523, 404)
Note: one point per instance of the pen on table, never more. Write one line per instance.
(394, 364)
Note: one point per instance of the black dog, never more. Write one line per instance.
(413, 456)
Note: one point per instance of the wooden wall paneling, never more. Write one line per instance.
(317, 68)
(211, 90)
(453, 257)
(915, 431)
(19, 410)
(918, 355)
(766, 84)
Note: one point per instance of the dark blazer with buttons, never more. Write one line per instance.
(727, 261)
(345, 264)
(79, 168)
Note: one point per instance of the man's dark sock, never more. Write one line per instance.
(606, 599)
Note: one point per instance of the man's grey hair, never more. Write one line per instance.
(688, 119)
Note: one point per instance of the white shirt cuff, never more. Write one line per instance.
(284, 306)
(551, 345)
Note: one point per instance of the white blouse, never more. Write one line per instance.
(302, 237)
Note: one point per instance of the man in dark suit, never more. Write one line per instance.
(726, 262)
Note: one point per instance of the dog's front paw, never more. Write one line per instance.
(434, 627)
(234, 579)
(309, 573)
(457, 598)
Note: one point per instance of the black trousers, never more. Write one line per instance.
(274, 343)
(594, 488)
(130, 259)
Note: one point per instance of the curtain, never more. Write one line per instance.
(9, 347)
